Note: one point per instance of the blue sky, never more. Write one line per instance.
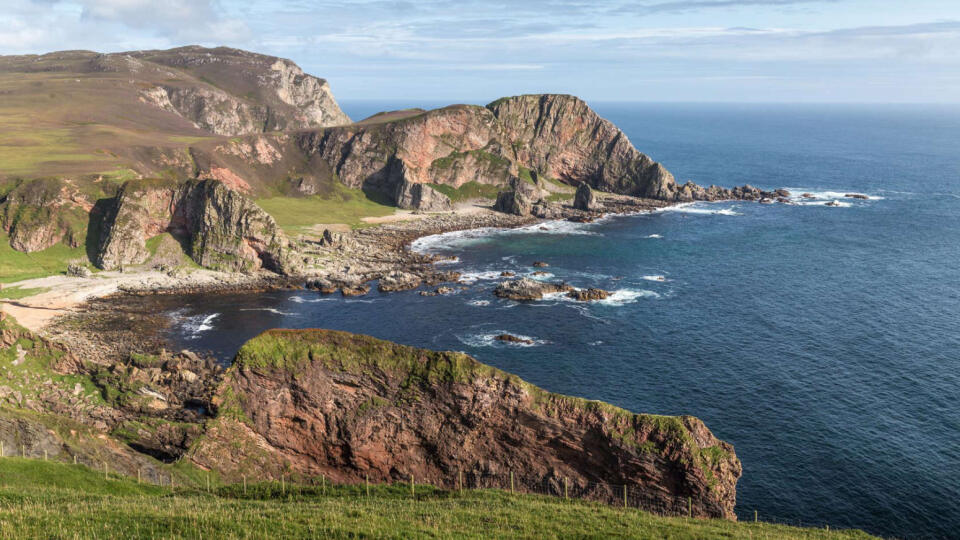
(474, 51)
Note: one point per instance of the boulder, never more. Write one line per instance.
(856, 196)
(399, 281)
(513, 202)
(585, 199)
(509, 338)
(417, 196)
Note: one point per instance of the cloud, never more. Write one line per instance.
(698, 5)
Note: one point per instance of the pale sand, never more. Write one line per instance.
(63, 294)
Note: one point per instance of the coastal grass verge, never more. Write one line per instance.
(45, 499)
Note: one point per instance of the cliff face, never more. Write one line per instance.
(223, 229)
(547, 136)
(351, 407)
(234, 92)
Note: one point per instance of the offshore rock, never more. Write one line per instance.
(526, 289)
(351, 407)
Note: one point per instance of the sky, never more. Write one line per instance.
(474, 51)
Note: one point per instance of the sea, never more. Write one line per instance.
(821, 340)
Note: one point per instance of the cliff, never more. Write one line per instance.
(353, 407)
(221, 228)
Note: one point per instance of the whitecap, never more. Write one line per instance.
(541, 276)
(275, 311)
(460, 239)
(487, 275)
(653, 236)
(832, 203)
(479, 302)
(301, 300)
(700, 208)
(796, 194)
(655, 277)
(199, 324)
(627, 296)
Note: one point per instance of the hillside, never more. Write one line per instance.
(45, 499)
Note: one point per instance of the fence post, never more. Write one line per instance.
(74, 459)
(283, 484)
(412, 492)
(138, 475)
(624, 495)
(106, 471)
(566, 488)
(690, 506)
(511, 481)
(366, 482)
(754, 516)
(460, 480)
(207, 476)
(244, 484)
(323, 484)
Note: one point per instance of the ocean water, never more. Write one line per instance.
(823, 342)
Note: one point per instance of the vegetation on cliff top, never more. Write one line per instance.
(41, 499)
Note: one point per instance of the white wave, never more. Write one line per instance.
(451, 260)
(199, 324)
(490, 340)
(700, 208)
(627, 296)
(595, 343)
(487, 275)
(653, 236)
(459, 239)
(479, 302)
(541, 276)
(796, 194)
(833, 203)
(655, 277)
(302, 300)
(275, 311)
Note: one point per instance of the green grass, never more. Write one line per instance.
(470, 190)
(16, 266)
(52, 500)
(16, 293)
(344, 205)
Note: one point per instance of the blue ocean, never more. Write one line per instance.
(822, 341)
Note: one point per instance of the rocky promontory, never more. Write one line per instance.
(352, 407)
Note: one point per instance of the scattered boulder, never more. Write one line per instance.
(399, 281)
(807, 195)
(507, 273)
(526, 289)
(585, 199)
(781, 193)
(540, 264)
(78, 269)
(444, 290)
(588, 295)
(856, 196)
(325, 286)
(355, 289)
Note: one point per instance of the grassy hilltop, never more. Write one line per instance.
(54, 500)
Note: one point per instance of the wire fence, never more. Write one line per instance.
(652, 500)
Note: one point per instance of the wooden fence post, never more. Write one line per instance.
(244, 484)
(74, 459)
(690, 506)
(624, 495)
(754, 516)
(511, 481)
(460, 480)
(412, 492)
(207, 476)
(366, 482)
(283, 484)
(138, 475)
(566, 488)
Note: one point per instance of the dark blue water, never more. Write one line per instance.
(823, 342)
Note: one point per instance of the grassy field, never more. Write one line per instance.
(343, 206)
(470, 190)
(16, 265)
(52, 500)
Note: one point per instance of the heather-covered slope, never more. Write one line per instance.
(353, 407)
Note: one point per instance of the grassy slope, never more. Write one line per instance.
(15, 265)
(343, 205)
(51, 500)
